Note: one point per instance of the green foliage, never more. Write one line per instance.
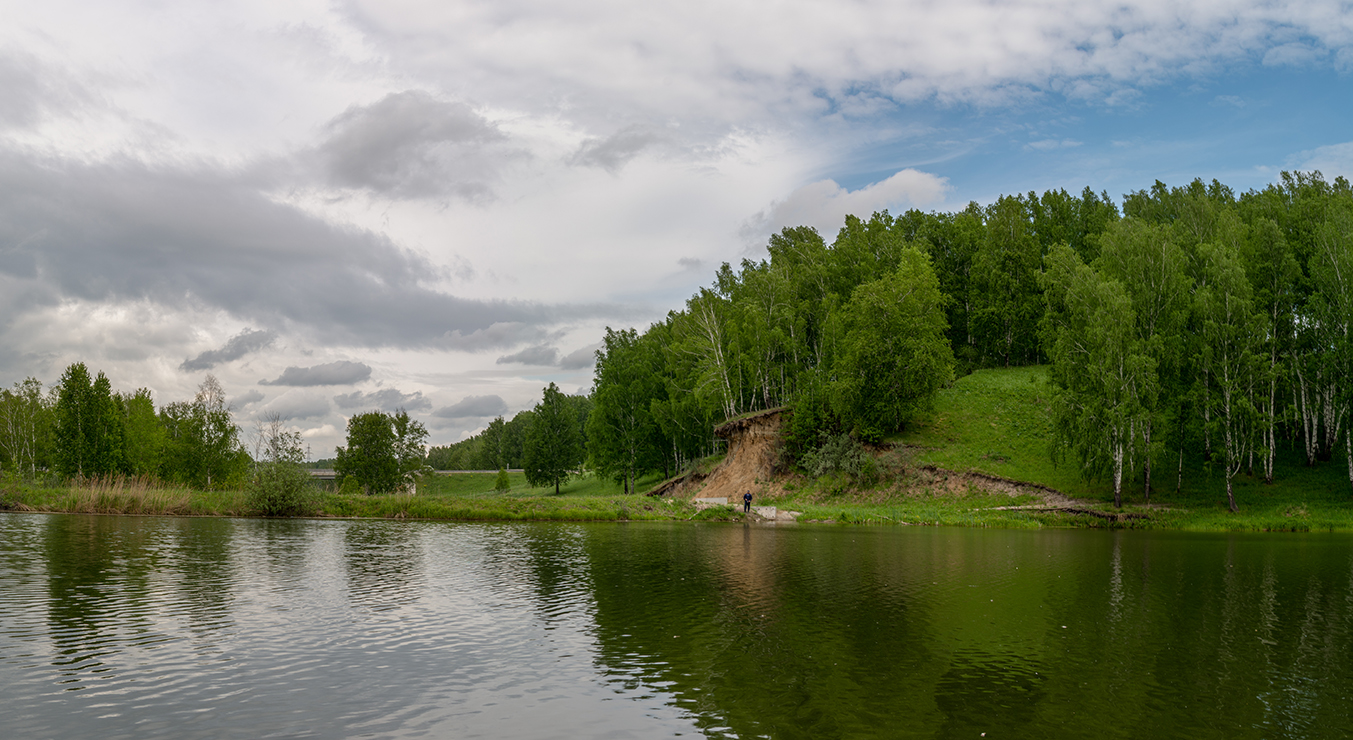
(351, 486)
(554, 447)
(281, 489)
(370, 453)
(88, 425)
(144, 436)
(280, 485)
(502, 482)
(621, 432)
(201, 442)
(26, 427)
(1006, 302)
(892, 354)
(382, 450)
(840, 454)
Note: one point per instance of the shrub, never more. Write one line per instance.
(351, 486)
(840, 454)
(281, 489)
(502, 483)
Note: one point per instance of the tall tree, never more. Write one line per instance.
(143, 434)
(620, 428)
(554, 449)
(1230, 340)
(1007, 303)
(88, 428)
(370, 455)
(1332, 273)
(1103, 376)
(410, 442)
(894, 354)
(1154, 272)
(25, 426)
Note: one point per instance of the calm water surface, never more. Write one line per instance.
(218, 628)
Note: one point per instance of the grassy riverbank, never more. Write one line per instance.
(468, 497)
(465, 499)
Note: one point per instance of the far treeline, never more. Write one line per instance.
(1195, 324)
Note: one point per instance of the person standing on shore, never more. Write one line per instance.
(747, 501)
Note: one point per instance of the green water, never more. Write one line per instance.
(217, 628)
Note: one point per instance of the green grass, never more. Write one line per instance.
(480, 485)
(468, 497)
(998, 422)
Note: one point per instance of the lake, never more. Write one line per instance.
(122, 627)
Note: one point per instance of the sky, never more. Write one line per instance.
(335, 207)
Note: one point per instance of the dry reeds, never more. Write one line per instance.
(122, 494)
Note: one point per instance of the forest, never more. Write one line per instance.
(1193, 323)
(1188, 324)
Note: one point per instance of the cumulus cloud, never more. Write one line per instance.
(1292, 55)
(249, 340)
(385, 399)
(672, 62)
(473, 407)
(1332, 161)
(410, 144)
(248, 397)
(342, 372)
(297, 404)
(539, 354)
(825, 204)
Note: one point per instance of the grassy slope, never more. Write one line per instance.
(997, 422)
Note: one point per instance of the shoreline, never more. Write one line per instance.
(972, 508)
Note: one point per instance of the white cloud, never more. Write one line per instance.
(297, 404)
(1292, 55)
(1333, 161)
(825, 204)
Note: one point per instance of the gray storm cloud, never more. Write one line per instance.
(244, 399)
(539, 354)
(342, 372)
(473, 407)
(249, 340)
(581, 358)
(385, 399)
(122, 230)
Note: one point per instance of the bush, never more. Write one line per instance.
(502, 483)
(281, 489)
(840, 454)
(351, 486)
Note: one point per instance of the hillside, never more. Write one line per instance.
(998, 422)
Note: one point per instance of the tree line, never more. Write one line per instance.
(81, 428)
(1206, 326)
(1197, 327)
(548, 442)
